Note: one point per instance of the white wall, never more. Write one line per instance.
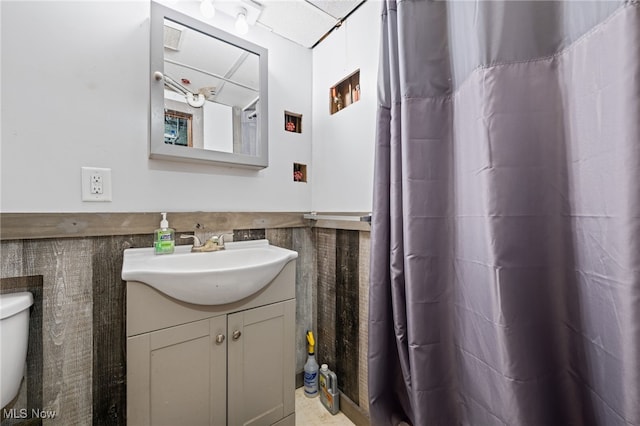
(218, 126)
(75, 92)
(343, 143)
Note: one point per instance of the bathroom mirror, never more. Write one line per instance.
(208, 93)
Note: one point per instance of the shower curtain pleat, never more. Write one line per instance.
(505, 257)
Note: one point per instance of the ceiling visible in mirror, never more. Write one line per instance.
(227, 75)
(305, 22)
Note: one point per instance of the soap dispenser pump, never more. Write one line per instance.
(164, 238)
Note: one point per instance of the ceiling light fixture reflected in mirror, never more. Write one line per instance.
(242, 27)
(207, 9)
(196, 101)
(245, 13)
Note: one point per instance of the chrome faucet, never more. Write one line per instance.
(212, 244)
(196, 240)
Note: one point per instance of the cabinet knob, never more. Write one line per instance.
(236, 334)
(219, 338)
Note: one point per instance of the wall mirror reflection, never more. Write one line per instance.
(208, 93)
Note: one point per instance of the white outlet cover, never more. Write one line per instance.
(105, 175)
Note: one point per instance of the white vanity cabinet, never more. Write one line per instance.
(259, 364)
(221, 365)
(178, 375)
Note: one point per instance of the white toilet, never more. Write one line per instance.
(14, 334)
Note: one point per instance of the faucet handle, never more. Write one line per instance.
(216, 240)
(196, 240)
(221, 239)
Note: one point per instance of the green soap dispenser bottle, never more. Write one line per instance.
(164, 238)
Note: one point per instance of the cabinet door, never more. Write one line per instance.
(261, 363)
(178, 375)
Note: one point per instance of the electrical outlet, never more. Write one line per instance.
(96, 184)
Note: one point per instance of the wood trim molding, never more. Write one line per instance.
(342, 224)
(24, 226)
(355, 413)
(28, 226)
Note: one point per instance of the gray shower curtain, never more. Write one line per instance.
(505, 277)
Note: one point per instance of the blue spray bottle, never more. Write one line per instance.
(311, 369)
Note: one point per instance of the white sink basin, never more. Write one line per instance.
(213, 278)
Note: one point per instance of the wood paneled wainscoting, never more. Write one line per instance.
(73, 263)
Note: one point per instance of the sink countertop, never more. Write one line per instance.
(208, 278)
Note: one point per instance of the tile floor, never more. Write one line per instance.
(311, 412)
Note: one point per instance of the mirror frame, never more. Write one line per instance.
(157, 148)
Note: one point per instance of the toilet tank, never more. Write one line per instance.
(14, 334)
